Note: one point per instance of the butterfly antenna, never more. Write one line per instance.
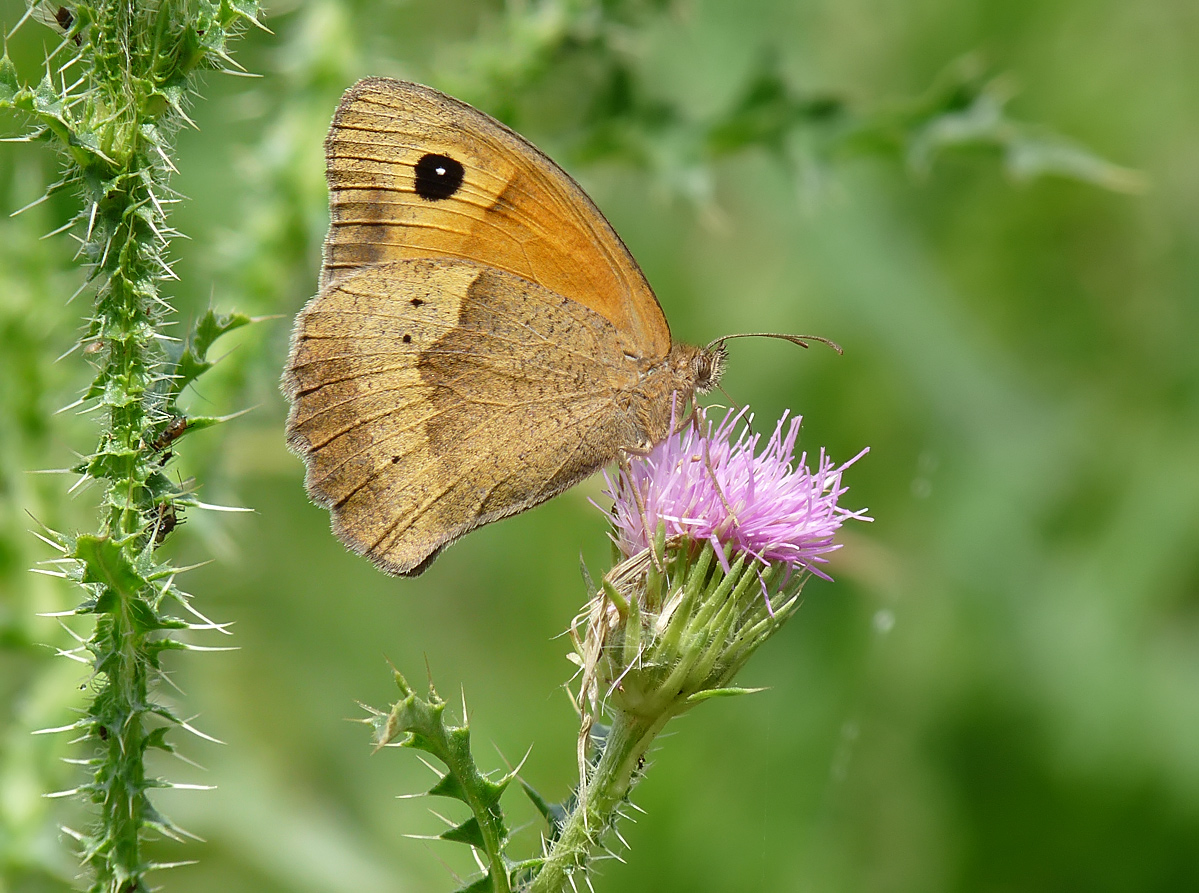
(801, 340)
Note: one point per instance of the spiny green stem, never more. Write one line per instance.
(421, 723)
(114, 126)
(600, 798)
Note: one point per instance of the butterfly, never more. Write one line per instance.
(481, 339)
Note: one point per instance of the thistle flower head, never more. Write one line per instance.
(710, 484)
(718, 538)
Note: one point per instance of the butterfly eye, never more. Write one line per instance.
(438, 177)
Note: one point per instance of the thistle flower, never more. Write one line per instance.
(705, 484)
(699, 521)
(718, 539)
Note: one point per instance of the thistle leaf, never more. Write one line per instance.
(468, 832)
(9, 84)
(422, 723)
(105, 562)
(449, 786)
(193, 359)
(553, 813)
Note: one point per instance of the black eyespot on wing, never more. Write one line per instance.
(438, 177)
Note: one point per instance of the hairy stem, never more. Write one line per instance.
(132, 65)
(600, 798)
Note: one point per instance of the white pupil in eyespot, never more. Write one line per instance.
(441, 172)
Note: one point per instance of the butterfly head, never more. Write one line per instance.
(708, 366)
(694, 370)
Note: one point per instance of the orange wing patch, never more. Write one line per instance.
(396, 194)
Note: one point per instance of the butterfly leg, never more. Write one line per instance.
(627, 471)
(716, 484)
(693, 418)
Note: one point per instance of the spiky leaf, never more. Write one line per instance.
(468, 832)
(105, 562)
(553, 813)
(9, 84)
(193, 360)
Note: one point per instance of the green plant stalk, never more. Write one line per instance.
(600, 799)
(421, 723)
(667, 631)
(663, 634)
(133, 65)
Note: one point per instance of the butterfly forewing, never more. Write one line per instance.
(413, 173)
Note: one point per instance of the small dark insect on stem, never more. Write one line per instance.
(169, 517)
(170, 433)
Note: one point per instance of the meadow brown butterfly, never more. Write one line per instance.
(482, 339)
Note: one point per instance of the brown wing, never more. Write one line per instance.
(414, 173)
(430, 397)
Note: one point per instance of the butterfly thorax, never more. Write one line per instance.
(665, 389)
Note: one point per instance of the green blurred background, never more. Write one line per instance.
(1000, 691)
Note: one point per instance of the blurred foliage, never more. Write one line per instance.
(999, 690)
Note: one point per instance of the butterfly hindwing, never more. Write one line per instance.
(430, 397)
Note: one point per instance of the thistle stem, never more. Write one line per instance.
(600, 797)
(138, 61)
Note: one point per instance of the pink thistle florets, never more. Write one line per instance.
(703, 484)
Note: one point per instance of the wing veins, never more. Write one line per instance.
(419, 511)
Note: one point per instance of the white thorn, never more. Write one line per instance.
(79, 291)
(56, 729)
(104, 256)
(71, 832)
(56, 795)
(32, 204)
(62, 228)
(221, 508)
(70, 350)
(198, 733)
(20, 22)
(46, 573)
(49, 542)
